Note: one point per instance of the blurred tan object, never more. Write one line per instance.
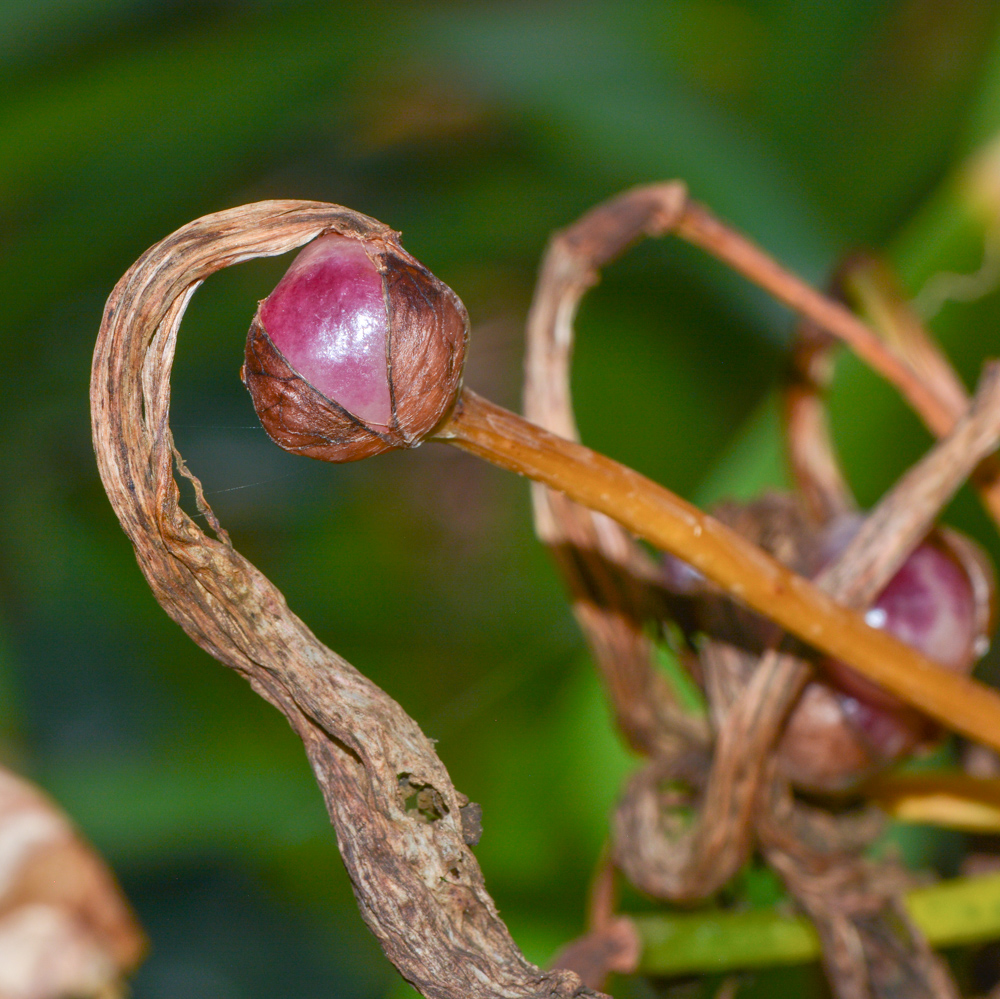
(65, 928)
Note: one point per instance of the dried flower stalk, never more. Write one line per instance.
(419, 886)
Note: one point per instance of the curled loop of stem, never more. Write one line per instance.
(419, 886)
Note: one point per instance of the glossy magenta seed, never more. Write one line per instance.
(328, 318)
(929, 604)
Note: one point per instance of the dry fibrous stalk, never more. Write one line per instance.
(65, 929)
(689, 819)
(418, 884)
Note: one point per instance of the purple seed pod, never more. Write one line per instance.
(359, 348)
(844, 727)
(941, 602)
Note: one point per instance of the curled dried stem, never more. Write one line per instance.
(421, 890)
(419, 886)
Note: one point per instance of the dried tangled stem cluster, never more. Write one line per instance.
(706, 797)
(418, 883)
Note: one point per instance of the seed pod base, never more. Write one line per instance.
(300, 418)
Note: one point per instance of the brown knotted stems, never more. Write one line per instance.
(680, 853)
(418, 885)
(750, 699)
(421, 891)
(855, 911)
(870, 945)
(687, 856)
(570, 267)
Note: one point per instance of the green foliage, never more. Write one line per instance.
(476, 129)
(964, 910)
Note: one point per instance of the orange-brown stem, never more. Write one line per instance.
(744, 571)
(697, 225)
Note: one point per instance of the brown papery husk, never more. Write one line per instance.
(428, 336)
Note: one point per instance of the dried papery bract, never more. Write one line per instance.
(418, 884)
(65, 929)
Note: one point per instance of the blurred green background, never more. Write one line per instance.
(475, 129)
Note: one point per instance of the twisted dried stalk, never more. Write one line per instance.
(418, 884)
